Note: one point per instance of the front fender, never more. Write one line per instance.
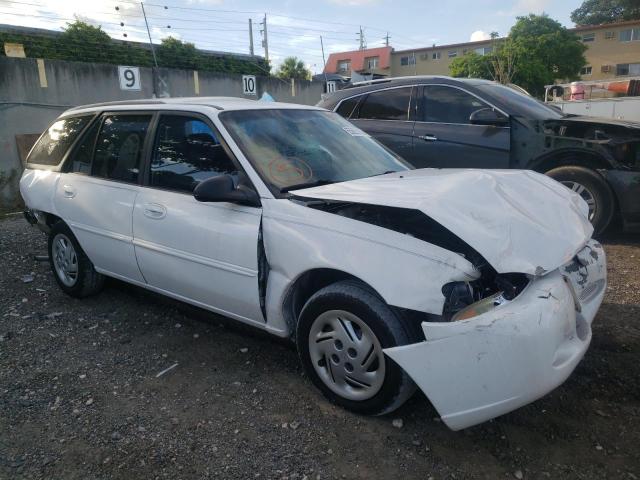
(405, 271)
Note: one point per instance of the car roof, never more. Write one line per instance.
(179, 103)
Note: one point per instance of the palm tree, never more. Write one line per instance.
(292, 67)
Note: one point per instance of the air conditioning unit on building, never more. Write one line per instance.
(605, 69)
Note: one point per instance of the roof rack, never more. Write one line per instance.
(149, 101)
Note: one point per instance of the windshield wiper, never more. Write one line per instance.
(315, 183)
(383, 173)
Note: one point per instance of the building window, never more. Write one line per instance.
(483, 50)
(344, 65)
(586, 70)
(371, 62)
(630, 35)
(453, 53)
(609, 35)
(628, 69)
(410, 60)
(589, 37)
(436, 55)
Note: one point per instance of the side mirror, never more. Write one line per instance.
(488, 116)
(221, 189)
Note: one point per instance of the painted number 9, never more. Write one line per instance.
(129, 78)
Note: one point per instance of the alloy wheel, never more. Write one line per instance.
(585, 193)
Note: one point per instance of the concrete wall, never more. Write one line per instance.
(32, 95)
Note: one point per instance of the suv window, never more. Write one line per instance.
(347, 106)
(186, 152)
(119, 147)
(54, 143)
(449, 105)
(387, 104)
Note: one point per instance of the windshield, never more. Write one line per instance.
(517, 103)
(294, 149)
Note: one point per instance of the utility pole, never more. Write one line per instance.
(324, 64)
(265, 39)
(361, 39)
(154, 71)
(250, 37)
(386, 39)
(153, 52)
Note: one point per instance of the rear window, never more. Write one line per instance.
(57, 139)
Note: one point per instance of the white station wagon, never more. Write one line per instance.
(477, 286)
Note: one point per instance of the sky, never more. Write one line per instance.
(294, 27)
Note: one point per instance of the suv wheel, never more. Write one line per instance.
(341, 333)
(71, 267)
(590, 185)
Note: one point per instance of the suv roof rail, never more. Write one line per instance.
(391, 79)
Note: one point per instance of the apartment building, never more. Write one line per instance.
(613, 50)
(433, 60)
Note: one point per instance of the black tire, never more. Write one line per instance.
(88, 281)
(604, 202)
(389, 329)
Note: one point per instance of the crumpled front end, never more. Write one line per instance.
(475, 369)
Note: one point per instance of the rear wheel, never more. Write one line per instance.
(341, 334)
(71, 267)
(593, 189)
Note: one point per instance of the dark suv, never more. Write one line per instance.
(446, 122)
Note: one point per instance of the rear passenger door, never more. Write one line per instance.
(386, 115)
(203, 253)
(96, 193)
(445, 138)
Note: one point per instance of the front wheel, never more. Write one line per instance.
(341, 334)
(593, 189)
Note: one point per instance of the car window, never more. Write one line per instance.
(347, 106)
(518, 103)
(390, 104)
(57, 139)
(449, 105)
(118, 152)
(186, 151)
(298, 147)
(83, 152)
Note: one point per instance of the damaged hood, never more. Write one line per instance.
(518, 220)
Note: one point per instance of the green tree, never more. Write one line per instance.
(537, 51)
(85, 42)
(596, 12)
(292, 67)
(178, 54)
(471, 65)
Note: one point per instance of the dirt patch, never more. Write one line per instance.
(80, 395)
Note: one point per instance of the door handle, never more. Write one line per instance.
(428, 138)
(68, 191)
(154, 210)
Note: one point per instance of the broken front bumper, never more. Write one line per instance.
(474, 370)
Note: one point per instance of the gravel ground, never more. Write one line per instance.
(81, 395)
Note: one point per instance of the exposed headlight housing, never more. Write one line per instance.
(483, 306)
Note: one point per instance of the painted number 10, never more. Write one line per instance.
(248, 84)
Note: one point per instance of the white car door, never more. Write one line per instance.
(95, 197)
(203, 253)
